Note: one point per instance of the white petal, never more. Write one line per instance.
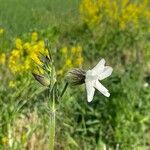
(99, 67)
(101, 88)
(91, 75)
(106, 72)
(90, 90)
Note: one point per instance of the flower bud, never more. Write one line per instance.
(41, 79)
(75, 76)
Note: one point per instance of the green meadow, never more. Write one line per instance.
(22, 16)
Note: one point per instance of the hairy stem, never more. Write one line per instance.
(52, 128)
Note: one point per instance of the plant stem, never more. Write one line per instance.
(52, 127)
(52, 121)
(52, 115)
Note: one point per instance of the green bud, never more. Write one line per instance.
(75, 76)
(41, 79)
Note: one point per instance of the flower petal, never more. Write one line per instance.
(91, 75)
(99, 67)
(101, 88)
(106, 73)
(90, 90)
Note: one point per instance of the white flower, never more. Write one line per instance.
(92, 77)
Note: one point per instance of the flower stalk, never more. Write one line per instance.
(52, 127)
(53, 97)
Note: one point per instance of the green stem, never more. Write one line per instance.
(52, 127)
(52, 117)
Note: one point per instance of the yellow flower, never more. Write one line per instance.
(89, 11)
(34, 36)
(14, 59)
(27, 47)
(15, 54)
(35, 58)
(68, 63)
(27, 63)
(18, 43)
(38, 70)
(76, 49)
(12, 84)
(21, 57)
(79, 61)
(46, 52)
(41, 45)
(34, 48)
(2, 58)
(1, 31)
(124, 13)
(73, 50)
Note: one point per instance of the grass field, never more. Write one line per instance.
(43, 40)
(23, 16)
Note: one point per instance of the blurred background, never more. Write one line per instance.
(80, 33)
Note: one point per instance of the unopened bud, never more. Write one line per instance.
(75, 76)
(41, 79)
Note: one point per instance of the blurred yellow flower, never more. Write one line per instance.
(2, 58)
(35, 58)
(41, 45)
(79, 61)
(89, 11)
(70, 57)
(68, 63)
(14, 59)
(27, 64)
(124, 13)
(24, 53)
(76, 49)
(73, 50)
(46, 52)
(34, 36)
(27, 47)
(15, 54)
(18, 44)
(23, 56)
(38, 70)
